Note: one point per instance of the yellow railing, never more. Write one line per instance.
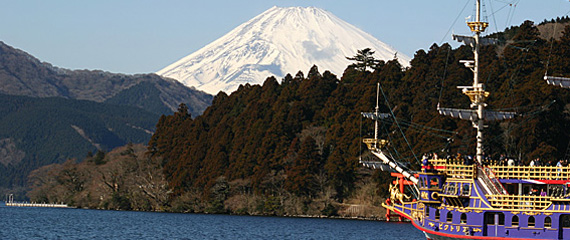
(452, 168)
(457, 169)
(527, 172)
(519, 202)
(374, 144)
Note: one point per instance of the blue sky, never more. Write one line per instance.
(142, 36)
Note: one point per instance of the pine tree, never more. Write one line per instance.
(364, 60)
(301, 174)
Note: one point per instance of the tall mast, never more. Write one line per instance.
(476, 93)
(377, 114)
(479, 100)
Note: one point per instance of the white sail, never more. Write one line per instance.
(558, 81)
(470, 40)
(374, 116)
(468, 114)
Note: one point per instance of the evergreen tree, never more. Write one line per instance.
(364, 60)
(301, 173)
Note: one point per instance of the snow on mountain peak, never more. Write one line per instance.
(274, 43)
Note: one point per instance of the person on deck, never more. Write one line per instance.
(511, 162)
(559, 166)
(502, 159)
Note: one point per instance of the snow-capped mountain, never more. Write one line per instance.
(274, 43)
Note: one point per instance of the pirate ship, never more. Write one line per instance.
(463, 199)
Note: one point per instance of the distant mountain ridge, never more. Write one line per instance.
(24, 75)
(274, 43)
(50, 114)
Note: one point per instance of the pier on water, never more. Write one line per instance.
(10, 203)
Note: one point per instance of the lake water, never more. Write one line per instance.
(57, 223)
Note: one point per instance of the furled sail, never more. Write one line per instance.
(558, 81)
(374, 116)
(470, 40)
(469, 114)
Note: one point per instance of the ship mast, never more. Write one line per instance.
(377, 113)
(476, 93)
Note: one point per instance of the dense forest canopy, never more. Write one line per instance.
(300, 140)
(309, 126)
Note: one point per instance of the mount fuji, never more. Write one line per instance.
(274, 43)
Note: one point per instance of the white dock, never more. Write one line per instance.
(53, 205)
(10, 203)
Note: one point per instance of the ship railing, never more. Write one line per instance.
(458, 169)
(528, 172)
(452, 168)
(514, 202)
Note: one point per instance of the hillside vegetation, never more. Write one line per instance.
(292, 148)
(39, 131)
(50, 114)
(22, 74)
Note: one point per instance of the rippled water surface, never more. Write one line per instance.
(55, 223)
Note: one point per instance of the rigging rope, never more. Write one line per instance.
(397, 124)
(419, 126)
(391, 140)
(507, 4)
(444, 74)
(493, 16)
(424, 129)
(360, 145)
(511, 12)
(450, 27)
(552, 44)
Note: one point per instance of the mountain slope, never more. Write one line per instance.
(40, 131)
(24, 75)
(276, 42)
(50, 114)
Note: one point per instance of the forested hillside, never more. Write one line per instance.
(292, 148)
(39, 131)
(51, 114)
(307, 128)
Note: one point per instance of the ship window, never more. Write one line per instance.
(449, 216)
(451, 189)
(427, 212)
(565, 221)
(437, 215)
(531, 221)
(463, 218)
(515, 222)
(434, 182)
(466, 191)
(547, 222)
